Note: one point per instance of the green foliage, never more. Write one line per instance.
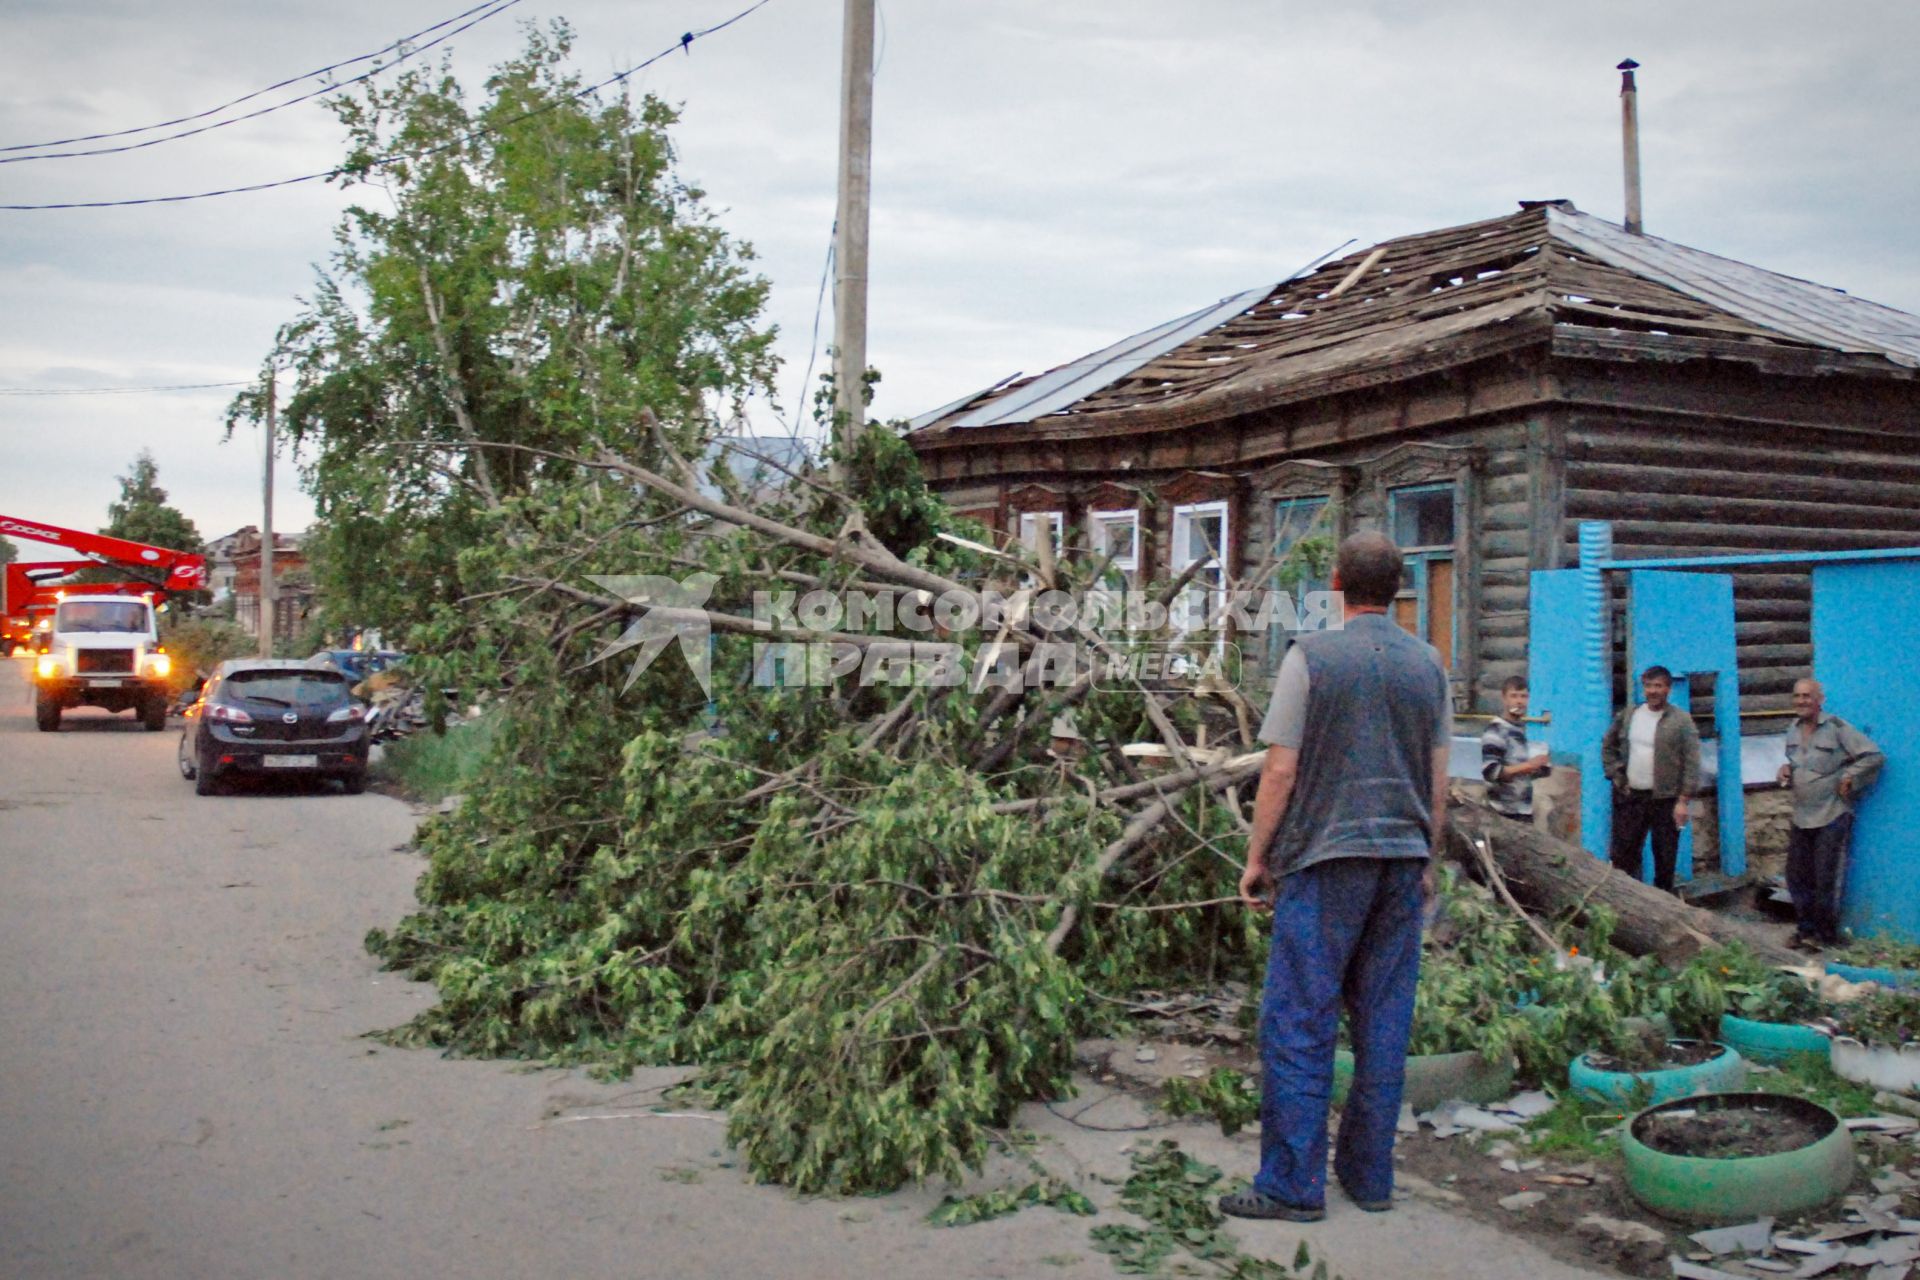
(552, 284)
(1880, 951)
(198, 645)
(1576, 1128)
(962, 1211)
(8, 552)
(1760, 991)
(1175, 1194)
(1883, 1018)
(429, 767)
(1476, 969)
(1229, 1096)
(141, 513)
(1813, 1078)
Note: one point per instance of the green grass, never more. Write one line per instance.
(1814, 1080)
(1576, 1129)
(430, 767)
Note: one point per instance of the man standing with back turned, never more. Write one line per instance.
(1350, 810)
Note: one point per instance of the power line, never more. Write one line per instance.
(119, 391)
(245, 98)
(499, 6)
(813, 345)
(684, 42)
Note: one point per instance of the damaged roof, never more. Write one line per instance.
(1511, 278)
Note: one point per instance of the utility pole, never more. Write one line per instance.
(266, 528)
(850, 241)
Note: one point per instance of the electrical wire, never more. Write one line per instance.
(499, 6)
(245, 98)
(119, 391)
(813, 346)
(684, 42)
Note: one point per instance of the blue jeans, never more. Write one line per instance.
(1344, 931)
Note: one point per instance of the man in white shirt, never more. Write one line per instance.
(1652, 755)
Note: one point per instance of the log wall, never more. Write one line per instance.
(1732, 488)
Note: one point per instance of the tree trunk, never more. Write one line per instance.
(1553, 877)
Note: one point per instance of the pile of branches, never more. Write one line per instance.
(878, 915)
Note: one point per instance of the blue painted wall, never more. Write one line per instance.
(1866, 652)
(1684, 622)
(1558, 682)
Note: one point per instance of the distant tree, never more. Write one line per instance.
(142, 513)
(8, 552)
(535, 274)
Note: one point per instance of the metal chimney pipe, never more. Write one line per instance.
(1630, 141)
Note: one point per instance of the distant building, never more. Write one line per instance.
(239, 554)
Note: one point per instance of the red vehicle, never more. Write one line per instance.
(99, 643)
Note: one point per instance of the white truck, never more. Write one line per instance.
(103, 651)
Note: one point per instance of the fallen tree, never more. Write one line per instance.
(1557, 879)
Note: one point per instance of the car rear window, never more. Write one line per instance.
(289, 688)
(101, 615)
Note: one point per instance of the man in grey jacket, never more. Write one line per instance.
(1829, 764)
(1652, 755)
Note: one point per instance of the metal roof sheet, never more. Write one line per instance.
(1798, 308)
(1054, 391)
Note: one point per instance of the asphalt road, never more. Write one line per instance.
(187, 1088)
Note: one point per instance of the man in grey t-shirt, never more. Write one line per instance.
(1350, 809)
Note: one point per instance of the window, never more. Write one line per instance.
(1422, 523)
(101, 615)
(1298, 520)
(1116, 534)
(1200, 536)
(1031, 522)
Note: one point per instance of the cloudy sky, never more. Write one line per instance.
(1048, 176)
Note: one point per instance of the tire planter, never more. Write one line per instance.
(1434, 1078)
(1883, 1066)
(1772, 1042)
(1885, 977)
(1700, 1189)
(1724, 1072)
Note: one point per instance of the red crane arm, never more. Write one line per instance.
(175, 570)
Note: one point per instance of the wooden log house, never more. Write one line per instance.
(1477, 391)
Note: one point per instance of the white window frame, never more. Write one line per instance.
(1178, 562)
(1030, 530)
(1125, 559)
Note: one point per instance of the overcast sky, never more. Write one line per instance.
(1049, 176)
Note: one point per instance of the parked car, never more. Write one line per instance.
(261, 716)
(357, 664)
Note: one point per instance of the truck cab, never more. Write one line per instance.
(102, 651)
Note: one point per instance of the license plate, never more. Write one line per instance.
(290, 762)
(98, 683)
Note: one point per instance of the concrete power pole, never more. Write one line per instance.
(1630, 144)
(850, 250)
(266, 530)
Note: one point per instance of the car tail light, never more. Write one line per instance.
(231, 715)
(353, 712)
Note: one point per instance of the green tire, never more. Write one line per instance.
(1721, 1073)
(1434, 1078)
(1772, 1042)
(1697, 1189)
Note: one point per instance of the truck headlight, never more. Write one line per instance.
(47, 667)
(159, 664)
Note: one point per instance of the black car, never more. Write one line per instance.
(259, 716)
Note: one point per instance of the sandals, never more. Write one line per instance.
(1253, 1204)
